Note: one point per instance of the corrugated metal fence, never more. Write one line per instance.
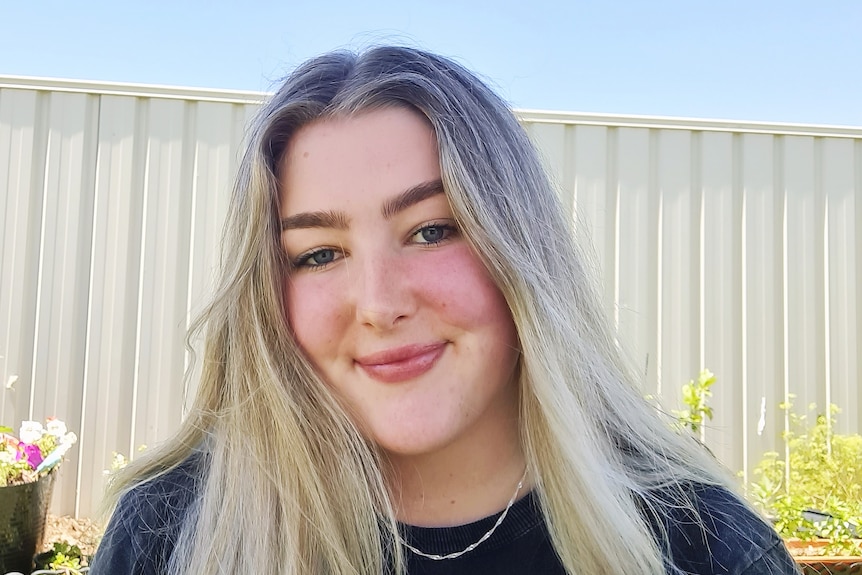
(722, 245)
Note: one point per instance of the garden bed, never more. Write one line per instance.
(810, 555)
(85, 533)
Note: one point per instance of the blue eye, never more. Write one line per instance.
(315, 259)
(434, 233)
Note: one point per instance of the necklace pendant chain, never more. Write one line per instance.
(482, 539)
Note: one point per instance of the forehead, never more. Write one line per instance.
(377, 152)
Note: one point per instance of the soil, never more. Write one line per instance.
(85, 533)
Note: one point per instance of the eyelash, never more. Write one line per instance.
(447, 228)
(304, 260)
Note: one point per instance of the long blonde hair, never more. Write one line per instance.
(289, 484)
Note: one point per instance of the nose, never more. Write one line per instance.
(381, 290)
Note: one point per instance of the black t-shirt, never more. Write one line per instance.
(735, 542)
(519, 545)
(141, 535)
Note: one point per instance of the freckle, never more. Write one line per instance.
(452, 502)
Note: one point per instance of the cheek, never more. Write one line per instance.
(459, 287)
(312, 314)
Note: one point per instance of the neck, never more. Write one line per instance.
(458, 485)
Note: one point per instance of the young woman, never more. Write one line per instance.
(406, 368)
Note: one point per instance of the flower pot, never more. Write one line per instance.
(810, 558)
(23, 511)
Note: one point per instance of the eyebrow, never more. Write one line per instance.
(340, 220)
(328, 219)
(411, 197)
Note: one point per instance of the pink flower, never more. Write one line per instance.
(31, 453)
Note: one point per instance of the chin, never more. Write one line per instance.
(411, 444)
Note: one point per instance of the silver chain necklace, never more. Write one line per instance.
(481, 540)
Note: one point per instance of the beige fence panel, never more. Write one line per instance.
(722, 245)
(113, 199)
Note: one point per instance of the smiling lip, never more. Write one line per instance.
(402, 363)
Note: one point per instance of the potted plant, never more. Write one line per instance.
(813, 493)
(28, 465)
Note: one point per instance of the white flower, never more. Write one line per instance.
(118, 461)
(31, 432)
(68, 439)
(56, 428)
(7, 457)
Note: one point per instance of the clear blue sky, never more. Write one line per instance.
(791, 61)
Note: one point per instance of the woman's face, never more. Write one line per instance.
(384, 294)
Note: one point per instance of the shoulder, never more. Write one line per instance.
(145, 525)
(711, 531)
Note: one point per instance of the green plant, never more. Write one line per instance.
(695, 395)
(61, 557)
(814, 489)
(119, 461)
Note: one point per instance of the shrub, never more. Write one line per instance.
(815, 488)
